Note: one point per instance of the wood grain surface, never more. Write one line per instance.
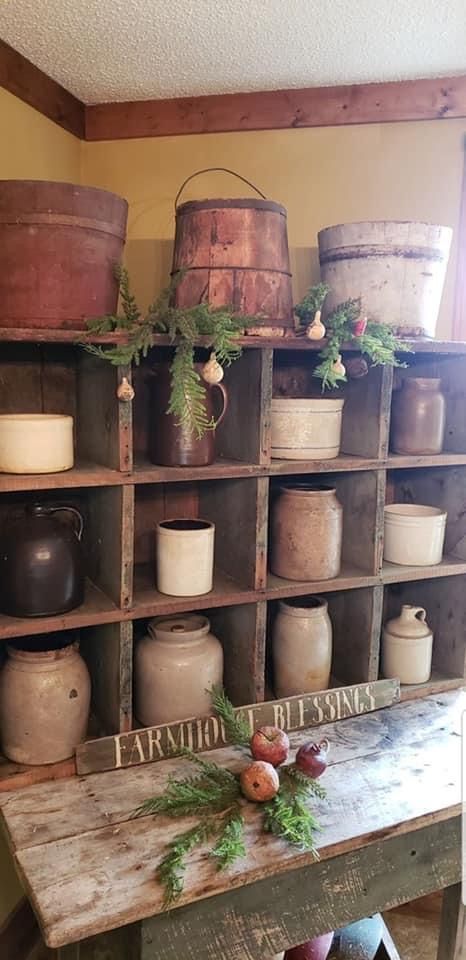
(89, 868)
(280, 109)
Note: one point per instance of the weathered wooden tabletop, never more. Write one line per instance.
(89, 868)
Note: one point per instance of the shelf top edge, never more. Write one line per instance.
(9, 335)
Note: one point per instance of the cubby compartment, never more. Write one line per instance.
(443, 601)
(356, 618)
(236, 506)
(364, 430)
(435, 486)
(59, 378)
(107, 584)
(107, 652)
(241, 631)
(450, 369)
(360, 494)
(240, 440)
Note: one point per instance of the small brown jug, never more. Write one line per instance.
(172, 445)
(41, 563)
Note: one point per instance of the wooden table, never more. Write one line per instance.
(390, 833)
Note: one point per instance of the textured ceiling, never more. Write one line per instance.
(138, 49)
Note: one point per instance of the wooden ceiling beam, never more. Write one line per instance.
(20, 77)
(280, 109)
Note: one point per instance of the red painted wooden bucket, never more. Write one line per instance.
(58, 246)
(234, 253)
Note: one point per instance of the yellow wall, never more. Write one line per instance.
(31, 147)
(323, 176)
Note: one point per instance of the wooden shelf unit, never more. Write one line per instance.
(122, 495)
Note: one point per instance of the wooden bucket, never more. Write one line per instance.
(58, 247)
(234, 253)
(396, 267)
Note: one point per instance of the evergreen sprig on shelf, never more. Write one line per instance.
(220, 325)
(213, 794)
(378, 342)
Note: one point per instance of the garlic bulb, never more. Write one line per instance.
(339, 367)
(125, 391)
(316, 329)
(212, 372)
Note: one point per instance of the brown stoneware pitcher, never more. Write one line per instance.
(172, 445)
(41, 563)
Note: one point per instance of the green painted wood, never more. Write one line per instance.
(256, 921)
(294, 713)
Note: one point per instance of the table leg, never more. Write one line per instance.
(452, 940)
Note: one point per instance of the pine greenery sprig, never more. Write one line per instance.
(170, 871)
(378, 341)
(236, 726)
(213, 794)
(186, 325)
(230, 841)
(312, 301)
(288, 816)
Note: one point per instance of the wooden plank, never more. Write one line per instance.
(459, 313)
(14, 776)
(359, 497)
(384, 730)
(83, 474)
(96, 608)
(75, 896)
(338, 464)
(123, 944)
(438, 683)
(109, 541)
(399, 573)
(20, 77)
(103, 422)
(108, 652)
(245, 432)
(356, 617)
(242, 922)
(291, 714)
(280, 109)
(242, 633)
(238, 509)
(452, 940)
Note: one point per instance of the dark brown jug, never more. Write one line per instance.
(177, 446)
(41, 563)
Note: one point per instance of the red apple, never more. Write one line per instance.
(311, 758)
(259, 781)
(316, 949)
(270, 744)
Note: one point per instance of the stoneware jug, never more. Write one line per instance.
(44, 700)
(41, 562)
(407, 646)
(302, 646)
(307, 531)
(418, 417)
(172, 445)
(176, 664)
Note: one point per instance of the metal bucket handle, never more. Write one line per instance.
(217, 170)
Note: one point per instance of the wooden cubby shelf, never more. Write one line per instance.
(122, 495)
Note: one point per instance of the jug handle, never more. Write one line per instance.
(223, 391)
(420, 613)
(76, 516)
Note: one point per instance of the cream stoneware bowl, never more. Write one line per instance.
(36, 443)
(414, 534)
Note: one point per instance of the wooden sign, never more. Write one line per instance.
(295, 713)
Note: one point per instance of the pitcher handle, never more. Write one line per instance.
(223, 391)
(217, 170)
(420, 613)
(77, 516)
